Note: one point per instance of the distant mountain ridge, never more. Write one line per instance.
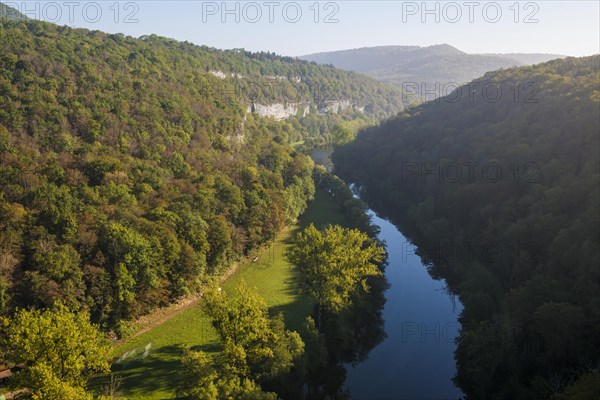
(527, 58)
(432, 66)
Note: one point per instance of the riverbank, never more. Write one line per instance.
(153, 370)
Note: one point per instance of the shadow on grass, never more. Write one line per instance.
(212, 347)
(160, 372)
(323, 211)
(296, 311)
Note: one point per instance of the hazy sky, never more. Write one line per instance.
(301, 27)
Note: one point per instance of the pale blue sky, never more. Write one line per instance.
(563, 27)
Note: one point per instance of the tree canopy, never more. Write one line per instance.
(129, 173)
(257, 349)
(61, 351)
(335, 263)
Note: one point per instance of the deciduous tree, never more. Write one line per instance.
(61, 351)
(335, 263)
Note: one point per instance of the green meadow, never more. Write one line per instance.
(153, 370)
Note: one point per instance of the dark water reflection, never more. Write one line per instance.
(321, 155)
(416, 360)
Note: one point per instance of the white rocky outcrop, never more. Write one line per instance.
(279, 111)
(296, 79)
(335, 106)
(223, 75)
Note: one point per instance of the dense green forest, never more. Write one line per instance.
(498, 186)
(125, 180)
(316, 98)
(133, 172)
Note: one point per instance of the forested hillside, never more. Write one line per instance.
(130, 171)
(10, 14)
(501, 194)
(313, 99)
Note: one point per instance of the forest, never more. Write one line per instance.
(498, 186)
(129, 172)
(132, 175)
(124, 185)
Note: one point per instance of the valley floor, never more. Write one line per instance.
(153, 370)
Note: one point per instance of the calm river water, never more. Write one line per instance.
(416, 360)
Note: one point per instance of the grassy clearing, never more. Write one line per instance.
(323, 210)
(157, 375)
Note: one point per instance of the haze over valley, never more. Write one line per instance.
(430, 69)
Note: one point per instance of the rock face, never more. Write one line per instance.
(335, 106)
(223, 75)
(280, 111)
(296, 79)
(287, 109)
(239, 136)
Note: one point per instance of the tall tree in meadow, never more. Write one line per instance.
(335, 263)
(257, 349)
(256, 345)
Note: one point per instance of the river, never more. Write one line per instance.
(416, 360)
